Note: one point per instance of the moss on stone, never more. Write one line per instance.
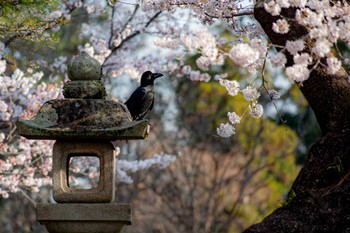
(92, 89)
(84, 67)
(83, 118)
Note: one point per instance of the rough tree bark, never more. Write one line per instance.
(320, 196)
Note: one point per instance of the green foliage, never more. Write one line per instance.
(274, 148)
(269, 147)
(28, 19)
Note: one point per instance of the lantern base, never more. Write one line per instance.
(84, 217)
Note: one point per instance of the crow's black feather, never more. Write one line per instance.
(142, 99)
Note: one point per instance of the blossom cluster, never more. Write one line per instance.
(210, 54)
(327, 22)
(26, 165)
(201, 42)
(22, 160)
(250, 94)
(207, 11)
(20, 97)
(125, 166)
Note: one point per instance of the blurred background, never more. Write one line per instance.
(216, 184)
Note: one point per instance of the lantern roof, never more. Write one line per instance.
(84, 113)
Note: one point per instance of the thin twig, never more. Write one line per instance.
(264, 85)
(131, 18)
(130, 37)
(29, 198)
(112, 26)
(127, 3)
(230, 16)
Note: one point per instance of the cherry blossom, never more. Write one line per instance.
(225, 130)
(278, 60)
(281, 26)
(322, 47)
(243, 55)
(333, 65)
(273, 8)
(297, 73)
(303, 59)
(297, 3)
(124, 166)
(250, 93)
(293, 47)
(2, 66)
(234, 118)
(256, 110)
(232, 86)
(274, 95)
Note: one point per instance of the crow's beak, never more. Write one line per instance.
(157, 75)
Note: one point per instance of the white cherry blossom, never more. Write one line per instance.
(293, 47)
(333, 65)
(232, 86)
(250, 93)
(233, 118)
(243, 55)
(278, 59)
(281, 26)
(273, 8)
(297, 73)
(256, 110)
(225, 130)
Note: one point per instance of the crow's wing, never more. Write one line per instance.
(134, 103)
(147, 104)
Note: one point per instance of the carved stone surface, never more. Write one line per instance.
(83, 119)
(84, 218)
(63, 151)
(84, 67)
(93, 89)
(80, 113)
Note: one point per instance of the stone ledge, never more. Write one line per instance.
(84, 212)
(84, 218)
(127, 131)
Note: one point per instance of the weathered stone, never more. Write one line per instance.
(84, 218)
(63, 151)
(84, 124)
(93, 89)
(83, 119)
(84, 67)
(78, 114)
(127, 131)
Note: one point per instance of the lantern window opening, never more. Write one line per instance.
(84, 171)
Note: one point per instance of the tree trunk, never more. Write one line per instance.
(319, 200)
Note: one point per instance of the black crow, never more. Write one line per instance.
(141, 100)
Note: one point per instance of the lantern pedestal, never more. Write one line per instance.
(84, 217)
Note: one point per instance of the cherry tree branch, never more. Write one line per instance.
(331, 101)
(112, 26)
(130, 37)
(251, 12)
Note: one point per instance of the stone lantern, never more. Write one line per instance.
(83, 124)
